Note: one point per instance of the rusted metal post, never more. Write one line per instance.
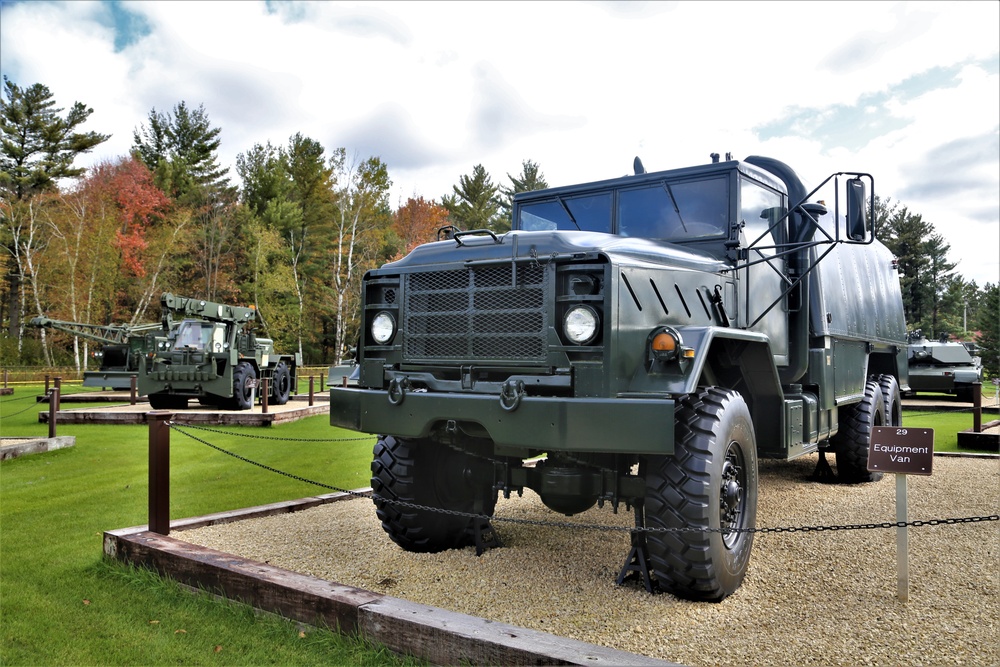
(58, 386)
(53, 409)
(159, 471)
(343, 381)
(263, 396)
(977, 407)
(310, 391)
(46, 385)
(5, 378)
(132, 390)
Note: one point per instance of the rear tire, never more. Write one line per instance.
(710, 482)
(281, 384)
(425, 473)
(890, 394)
(854, 437)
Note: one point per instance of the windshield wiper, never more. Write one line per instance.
(570, 214)
(666, 186)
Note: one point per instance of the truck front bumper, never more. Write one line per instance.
(617, 425)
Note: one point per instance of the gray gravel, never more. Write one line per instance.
(825, 598)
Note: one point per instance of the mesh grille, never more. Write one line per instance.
(476, 314)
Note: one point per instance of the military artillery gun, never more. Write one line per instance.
(212, 355)
(121, 350)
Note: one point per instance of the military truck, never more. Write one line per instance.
(213, 356)
(639, 340)
(943, 366)
(120, 351)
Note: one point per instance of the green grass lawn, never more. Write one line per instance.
(61, 603)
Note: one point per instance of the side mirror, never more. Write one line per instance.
(857, 209)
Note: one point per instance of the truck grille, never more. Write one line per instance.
(475, 314)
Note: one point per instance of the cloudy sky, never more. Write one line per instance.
(906, 91)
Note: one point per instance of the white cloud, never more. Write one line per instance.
(581, 88)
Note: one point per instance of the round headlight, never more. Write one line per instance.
(581, 324)
(383, 328)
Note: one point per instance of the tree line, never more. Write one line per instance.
(292, 238)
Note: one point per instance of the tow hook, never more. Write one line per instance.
(397, 389)
(511, 393)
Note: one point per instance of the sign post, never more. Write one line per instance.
(903, 451)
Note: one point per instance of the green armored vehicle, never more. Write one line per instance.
(943, 366)
(211, 355)
(120, 352)
(650, 336)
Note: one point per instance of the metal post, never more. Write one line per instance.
(46, 384)
(902, 542)
(263, 396)
(159, 471)
(53, 409)
(977, 407)
(132, 390)
(5, 378)
(310, 391)
(58, 387)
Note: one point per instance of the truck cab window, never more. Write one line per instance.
(760, 207)
(679, 211)
(589, 213)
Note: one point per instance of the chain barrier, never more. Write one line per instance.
(585, 526)
(272, 437)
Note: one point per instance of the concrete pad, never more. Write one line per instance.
(11, 448)
(293, 410)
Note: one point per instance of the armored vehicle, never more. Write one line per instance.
(644, 340)
(212, 355)
(943, 366)
(120, 351)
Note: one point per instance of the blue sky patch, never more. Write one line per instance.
(854, 126)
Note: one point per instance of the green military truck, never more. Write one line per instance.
(212, 355)
(649, 337)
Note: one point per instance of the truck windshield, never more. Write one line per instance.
(589, 213)
(193, 335)
(674, 211)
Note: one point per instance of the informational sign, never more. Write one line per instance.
(907, 451)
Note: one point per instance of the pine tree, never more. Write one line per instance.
(181, 149)
(40, 145)
(989, 330)
(531, 178)
(473, 204)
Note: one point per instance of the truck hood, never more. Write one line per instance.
(547, 245)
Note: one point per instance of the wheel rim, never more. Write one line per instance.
(732, 495)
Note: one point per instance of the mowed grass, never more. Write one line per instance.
(61, 603)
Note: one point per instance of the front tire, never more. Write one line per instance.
(243, 377)
(422, 472)
(710, 483)
(854, 437)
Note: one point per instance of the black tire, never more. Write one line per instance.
(281, 384)
(710, 482)
(854, 437)
(167, 402)
(243, 392)
(425, 473)
(890, 394)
